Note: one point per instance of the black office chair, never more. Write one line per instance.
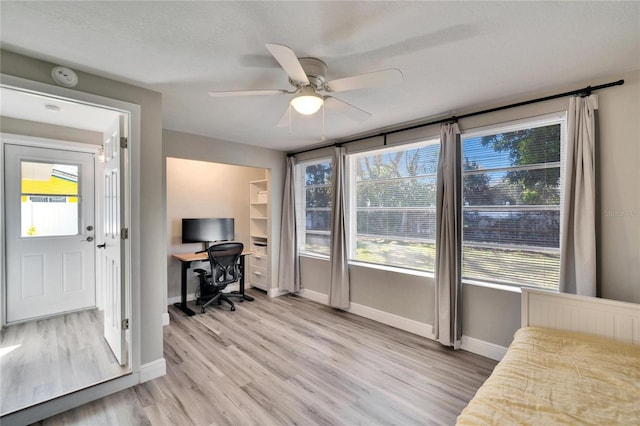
(225, 269)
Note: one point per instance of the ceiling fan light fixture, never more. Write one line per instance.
(307, 102)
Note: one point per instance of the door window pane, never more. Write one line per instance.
(49, 199)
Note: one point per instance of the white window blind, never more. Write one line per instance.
(511, 204)
(392, 198)
(313, 206)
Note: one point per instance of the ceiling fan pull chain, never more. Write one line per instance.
(322, 138)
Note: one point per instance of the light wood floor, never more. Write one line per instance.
(50, 357)
(291, 361)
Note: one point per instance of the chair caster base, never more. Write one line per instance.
(233, 308)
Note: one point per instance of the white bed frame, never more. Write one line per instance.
(619, 321)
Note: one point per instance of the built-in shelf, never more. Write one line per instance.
(259, 264)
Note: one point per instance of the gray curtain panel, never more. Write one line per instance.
(578, 245)
(289, 265)
(339, 286)
(447, 327)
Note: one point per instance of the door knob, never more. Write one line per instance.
(103, 245)
(89, 238)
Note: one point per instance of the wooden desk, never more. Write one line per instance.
(185, 261)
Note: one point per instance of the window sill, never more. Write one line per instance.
(314, 256)
(503, 287)
(392, 269)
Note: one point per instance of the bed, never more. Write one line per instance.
(576, 360)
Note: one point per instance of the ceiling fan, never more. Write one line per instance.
(311, 88)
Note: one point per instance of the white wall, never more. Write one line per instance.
(619, 159)
(204, 189)
(193, 147)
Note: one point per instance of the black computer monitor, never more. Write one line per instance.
(207, 230)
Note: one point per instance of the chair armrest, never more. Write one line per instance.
(200, 271)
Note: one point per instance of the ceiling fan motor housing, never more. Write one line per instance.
(315, 69)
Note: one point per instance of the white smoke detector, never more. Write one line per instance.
(64, 76)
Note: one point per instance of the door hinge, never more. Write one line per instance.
(124, 233)
(125, 324)
(124, 142)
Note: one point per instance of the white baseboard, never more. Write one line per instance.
(165, 318)
(314, 295)
(480, 347)
(153, 370)
(393, 320)
(470, 344)
(406, 324)
(276, 292)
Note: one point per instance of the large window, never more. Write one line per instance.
(511, 204)
(313, 206)
(392, 211)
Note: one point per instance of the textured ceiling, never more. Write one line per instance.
(453, 55)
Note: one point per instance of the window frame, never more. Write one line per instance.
(301, 210)
(351, 204)
(559, 118)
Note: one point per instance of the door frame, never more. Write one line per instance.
(57, 144)
(132, 249)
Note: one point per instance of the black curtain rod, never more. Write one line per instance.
(586, 91)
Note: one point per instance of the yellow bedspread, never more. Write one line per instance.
(550, 377)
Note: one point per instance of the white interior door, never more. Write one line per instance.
(112, 244)
(50, 252)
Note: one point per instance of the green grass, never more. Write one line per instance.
(519, 267)
(515, 267)
(419, 256)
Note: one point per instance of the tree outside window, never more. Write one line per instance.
(511, 205)
(392, 206)
(314, 207)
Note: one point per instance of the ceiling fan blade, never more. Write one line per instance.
(361, 81)
(341, 107)
(288, 61)
(248, 93)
